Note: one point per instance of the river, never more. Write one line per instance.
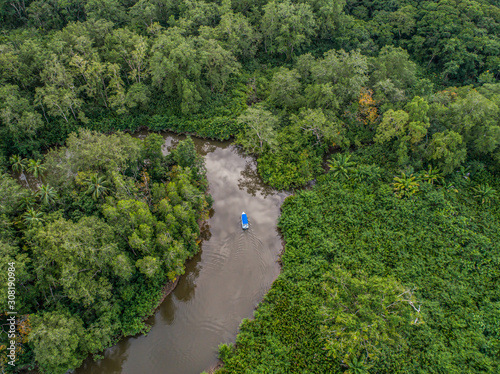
(223, 283)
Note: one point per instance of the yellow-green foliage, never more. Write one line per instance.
(380, 283)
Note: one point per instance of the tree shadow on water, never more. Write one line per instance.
(185, 290)
(112, 363)
(252, 183)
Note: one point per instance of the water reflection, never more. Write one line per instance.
(251, 182)
(186, 288)
(205, 233)
(222, 284)
(167, 311)
(112, 363)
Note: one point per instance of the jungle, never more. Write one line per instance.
(382, 118)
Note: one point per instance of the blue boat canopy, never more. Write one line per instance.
(244, 220)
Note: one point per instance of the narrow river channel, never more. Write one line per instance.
(222, 285)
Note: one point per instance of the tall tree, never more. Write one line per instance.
(285, 88)
(58, 333)
(408, 128)
(36, 168)
(346, 71)
(20, 123)
(132, 50)
(447, 149)
(176, 68)
(322, 128)
(219, 64)
(46, 194)
(259, 129)
(235, 33)
(287, 27)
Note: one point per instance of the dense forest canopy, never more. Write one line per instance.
(329, 73)
(374, 283)
(110, 222)
(400, 98)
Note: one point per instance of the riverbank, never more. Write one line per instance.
(222, 284)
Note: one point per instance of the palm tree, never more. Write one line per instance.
(27, 201)
(357, 366)
(405, 185)
(97, 186)
(366, 173)
(433, 175)
(46, 194)
(35, 167)
(341, 166)
(32, 217)
(485, 193)
(18, 163)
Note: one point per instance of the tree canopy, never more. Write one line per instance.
(391, 108)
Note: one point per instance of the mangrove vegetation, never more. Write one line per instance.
(383, 118)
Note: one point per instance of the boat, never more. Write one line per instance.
(244, 221)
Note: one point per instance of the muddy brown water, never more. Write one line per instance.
(223, 283)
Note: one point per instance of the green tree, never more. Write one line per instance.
(285, 88)
(11, 195)
(475, 118)
(18, 163)
(153, 144)
(315, 122)
(259, 129)
(60, 334)
(111, 10)
(132, 221)
(362, 313)
(287, 27)
(59, 93)
(146, 14)
(218, 64)
(92, 151)
(328, 15)
(130, 49)
(46, 194)
(197, 13)
(20, 122)
(446, 148)
(36, 168)
(185, 154)
(393, 125)
(32, 217)
(117, 93)
(485, 193)
(341, 166)
(148, 266)
(94, 76)
(393, 65)
(321, 96)
(346, 71)
(138, 95)
(74, 260)
(176, 68)
(235, 33)
(406, 185)
(97, 186)
(408, 128)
